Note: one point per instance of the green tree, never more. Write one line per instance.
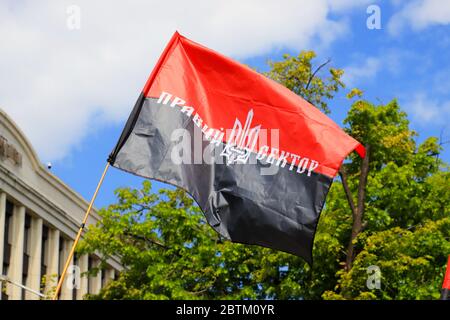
(404, 229)
(168, 250)
(299, 75)
(390, 210)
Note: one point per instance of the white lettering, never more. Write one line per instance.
(241, 142)
(302, 165)
(282, 158)
(197, 120)
(314, 164)
(294, 159)
(272, 155)
(177, 102)
(262, 153)
(164, 96)
(187, 110)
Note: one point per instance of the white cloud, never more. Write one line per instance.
(357, 73)
(341, 5)
(394, 61)
(420, 14)
(427, 110)
(55, 82)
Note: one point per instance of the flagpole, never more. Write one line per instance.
(80, 231)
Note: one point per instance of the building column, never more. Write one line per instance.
(53, 260)
(109, 275)
(95, 281)
(83, 264)
(2, 235)
(16, 269)
(34, 270)
(67, 287)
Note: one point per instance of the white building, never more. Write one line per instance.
(39, 219)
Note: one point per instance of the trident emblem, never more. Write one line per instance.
(241, 141)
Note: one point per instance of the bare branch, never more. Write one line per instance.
(357, 219)
(315, 72)
(348, 193)
(145, 239)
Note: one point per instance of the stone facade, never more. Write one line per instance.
(39, 219)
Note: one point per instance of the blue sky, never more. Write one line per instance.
(81, 83)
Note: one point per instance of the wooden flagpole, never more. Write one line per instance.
(80, 231)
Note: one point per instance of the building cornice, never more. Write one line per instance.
(36, 201)
(41, 171)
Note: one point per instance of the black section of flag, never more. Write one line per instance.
(278, 210)
(128, 127)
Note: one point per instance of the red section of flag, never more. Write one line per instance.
(222, 90)
(446, 283)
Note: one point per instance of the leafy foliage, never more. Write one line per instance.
(168, 250)
(406, 221)
(298, 75)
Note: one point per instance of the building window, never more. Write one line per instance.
(26, 251)
(74, 289)
(44, 252)
(7, 236)
(89, 284)
(103, 278)
(61, 256)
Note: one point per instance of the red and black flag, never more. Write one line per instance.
(258, 159)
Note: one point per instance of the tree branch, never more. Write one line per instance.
(357, 219)
(315, 72)
(348, 193)
(145, 239)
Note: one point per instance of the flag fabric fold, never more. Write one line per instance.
(258, 159)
